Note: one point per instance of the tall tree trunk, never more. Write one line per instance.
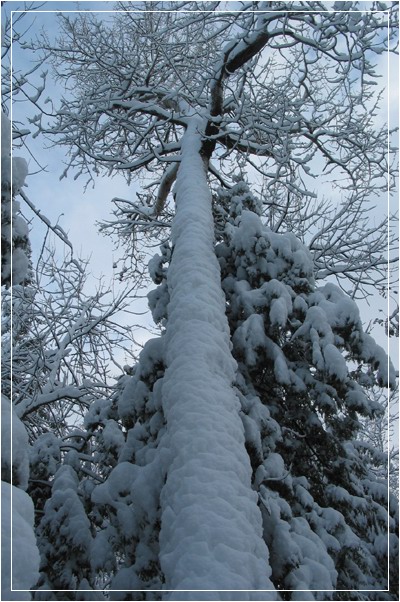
(211, 534)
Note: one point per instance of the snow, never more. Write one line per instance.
(331, 312)
(155, 267)
(299, 557)
(20, 265)
(258, 251)
(17, 239)
(303, 495)
(20, 227)
(125, 580)
(262, 274)
(18, 164)
(45, 455)
(19, 173)
(335, 362)
(121, 479)
(278, 313)
(98, 412)
(64, 525)
(211, 534)
(112, 436)
(5, 136)
(136, 392)
(356, 399)
(130, 495)
(14, 446)
(88, 595)
(158, 302)
(373, 353)
(133, 492)
(17, 543)
(250, 337)
(273, 467)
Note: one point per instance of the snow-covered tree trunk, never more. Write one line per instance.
(211, 534)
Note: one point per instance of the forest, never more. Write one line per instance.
(243, 447)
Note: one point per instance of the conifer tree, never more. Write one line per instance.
(14, 229)
(305, 368)
(17, 508)
(64, 534)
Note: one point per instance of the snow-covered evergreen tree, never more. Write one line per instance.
(305, 367)
(14, 229)
(19, 552)
(20, 557)
(64, 533)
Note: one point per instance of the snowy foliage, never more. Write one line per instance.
(64, 534)
(14, 447)
(295, 374)
(20, 557)
(19, 553)
(14, 241)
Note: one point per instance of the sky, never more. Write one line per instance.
(78, 211)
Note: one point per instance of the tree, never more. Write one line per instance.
(59, 343)
(140, 117)
(56, 343)
(218, 487)
(14, 229)
(59, 347)
(17, 508)
(293, 358)
(385, 458)
(20, 556)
